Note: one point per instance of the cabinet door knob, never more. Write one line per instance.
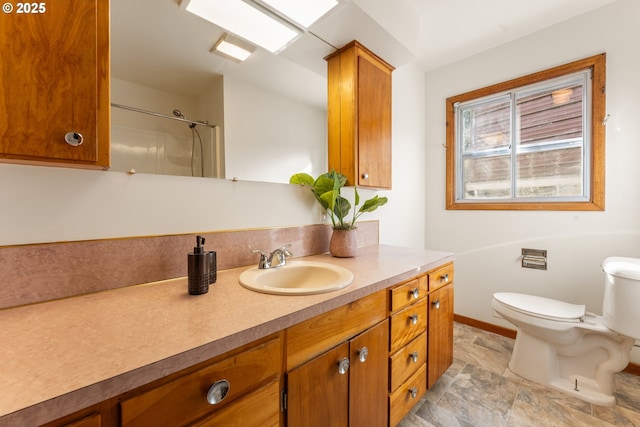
(414, 357)
(413, 391)
(218, 391)
(343, 366)
(363, 353)
(74, 138)
(365, 176)
(444, 278)
(436, 304)
(415, 293)
(414, 319)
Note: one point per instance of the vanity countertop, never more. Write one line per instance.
(61, 356)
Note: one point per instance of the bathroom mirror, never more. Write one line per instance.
(269, 112)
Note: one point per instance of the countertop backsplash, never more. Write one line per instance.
(43, 272)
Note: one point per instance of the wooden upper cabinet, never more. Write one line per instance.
(359, 116)
(54, 83)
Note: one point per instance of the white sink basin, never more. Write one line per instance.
(297, 278)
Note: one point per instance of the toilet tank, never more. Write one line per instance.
(621, 305)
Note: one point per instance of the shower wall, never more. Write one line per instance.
(150, 144)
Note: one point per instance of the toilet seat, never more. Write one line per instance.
(545, 308)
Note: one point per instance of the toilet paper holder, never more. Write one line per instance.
(534, 258)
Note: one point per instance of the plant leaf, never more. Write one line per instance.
(328, 199)
(302, 179)
(342, 208)
(372, 204)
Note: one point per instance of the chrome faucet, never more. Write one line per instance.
(266, 261)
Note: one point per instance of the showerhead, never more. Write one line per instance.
(178, 113)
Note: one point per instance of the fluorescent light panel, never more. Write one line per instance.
(240, 18)
(233, 48)
(304, 12)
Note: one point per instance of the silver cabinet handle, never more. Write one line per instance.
(218, 391)
(436, 304)
(415, 293)
(363, 353)
(414, 319)
(343, 366)
(444, 278)
(365, 176)
(74, 138)
(413, 391)
(414, 357)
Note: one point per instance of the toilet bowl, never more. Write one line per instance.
(562, 346)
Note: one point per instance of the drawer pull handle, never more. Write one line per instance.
(343, 366)
(444, 278)
(414, 357)
(74, 138)
(414, 319)
(365, 176)
(414, 293)
(413, 391)
(218, 391)
(363, 353)
(436, 304)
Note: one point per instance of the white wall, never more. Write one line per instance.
(487, 244)
(269, 137)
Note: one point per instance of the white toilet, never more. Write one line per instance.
(562, 346)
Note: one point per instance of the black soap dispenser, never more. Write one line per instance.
(198, 268)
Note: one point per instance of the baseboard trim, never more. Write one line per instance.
(489, 327)
(632, 368)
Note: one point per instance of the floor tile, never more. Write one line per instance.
(479, 390)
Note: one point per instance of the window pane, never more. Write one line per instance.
(549, 149)
(552, 115)
(550, 173)
(487, 177)
(486, 126)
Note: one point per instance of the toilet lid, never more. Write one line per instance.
(546, 308)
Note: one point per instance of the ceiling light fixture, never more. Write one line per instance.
(233, 48)
(305, 13)
(246, 21)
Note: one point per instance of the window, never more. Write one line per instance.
(532, 143)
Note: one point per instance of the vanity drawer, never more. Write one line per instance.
(407, 395)
(408, 292)
(260, 408)
(184, 399)
(407, 360)
(440, 277)
(408, 324)
(323, 332)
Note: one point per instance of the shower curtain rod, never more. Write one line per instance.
(164, 116)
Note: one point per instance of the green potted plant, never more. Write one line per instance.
(326, 189)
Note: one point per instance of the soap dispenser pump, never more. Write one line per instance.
(198, 269)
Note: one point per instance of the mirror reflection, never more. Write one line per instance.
(179, 109)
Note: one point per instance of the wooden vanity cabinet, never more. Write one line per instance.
(359, 116)
(54, 83)
(440, 322)
(366, 363)
(343, 381)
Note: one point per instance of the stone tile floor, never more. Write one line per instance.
(479, 390)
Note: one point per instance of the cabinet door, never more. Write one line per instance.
(54, 81)
(318, 391)
(440, 332)
(374, 125)
(368, 377)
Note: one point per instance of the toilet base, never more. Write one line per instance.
(592, 361)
